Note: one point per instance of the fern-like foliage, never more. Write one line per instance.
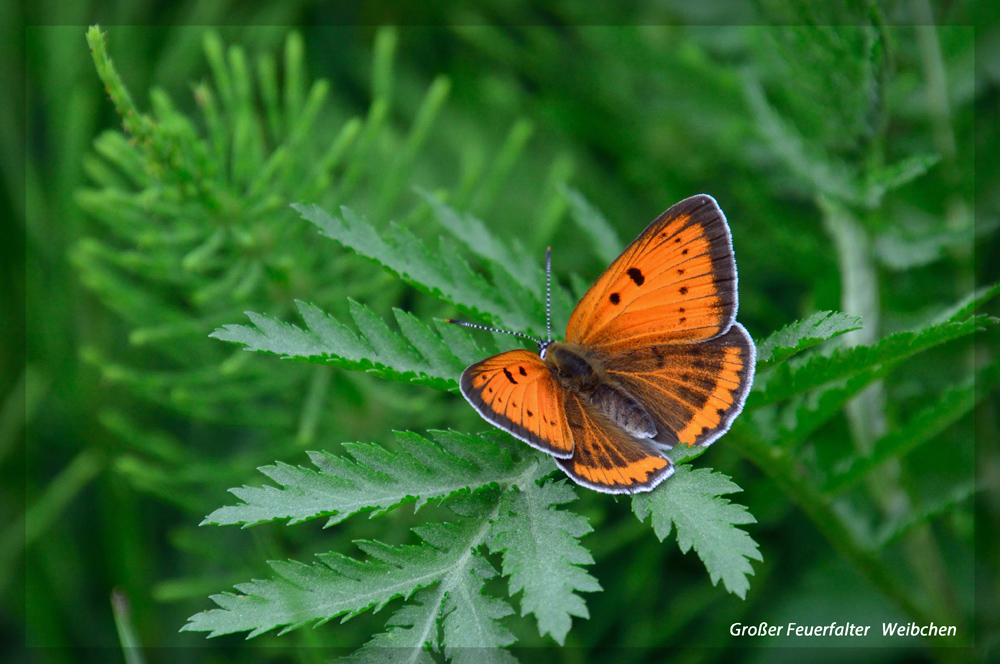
(797, 337)
(416, 355)
(494, 484)
(443, 273)
(692, 504)
(342, 586)
(537, 541)
(791, 378)
(374, 478)
(922, 427)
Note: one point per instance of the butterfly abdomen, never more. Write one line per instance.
(624, 410)
(580, 372)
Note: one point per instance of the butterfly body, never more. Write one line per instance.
(580, 370)
(653, 357)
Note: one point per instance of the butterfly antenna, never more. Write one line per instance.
(548, 293)
(494, 329)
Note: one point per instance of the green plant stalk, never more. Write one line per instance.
(401, 168)
(957, 213)
(866, 412)
(551, 213)
(129, 640)
(493, 182)
(957, 217)
(313, 406)
(23, 532)
(19, 407)
(295, 79)
(933, 65)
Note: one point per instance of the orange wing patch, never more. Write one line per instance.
(675, 283)
(607, 459)
(693, 392)
(516, 392)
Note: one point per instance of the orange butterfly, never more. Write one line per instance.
(653, 357)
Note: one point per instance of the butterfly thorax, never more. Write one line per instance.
(580, 371)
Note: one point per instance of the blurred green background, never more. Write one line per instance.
(127, 423)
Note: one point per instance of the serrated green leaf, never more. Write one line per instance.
(885, 179)
(343, 586)
(514, 260)
(472, 633)
(374, 478)
(691, 501)
(794, 377)
(470, 619)
(603, 238)
(338, 585)
(968, 305)
(542, 552)
(430, 346)
(896, 528)
(788, 424)
(417, 356)
(953, 404)
(411, 631)
(446, 276)
(800, 335)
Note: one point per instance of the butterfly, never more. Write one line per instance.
(653, 358)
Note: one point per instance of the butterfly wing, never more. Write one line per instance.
(516, 392)
(607, 459)
(693, 392)
(675, 283)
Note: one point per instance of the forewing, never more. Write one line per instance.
(607, 459)
(676, 282)
(692, 391)
(516, 392)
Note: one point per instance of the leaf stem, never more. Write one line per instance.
(129, 640)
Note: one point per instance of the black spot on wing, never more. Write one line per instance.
(635, 274)
(684, 290)
(615, 298)
(522, 371)
(510, 376)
